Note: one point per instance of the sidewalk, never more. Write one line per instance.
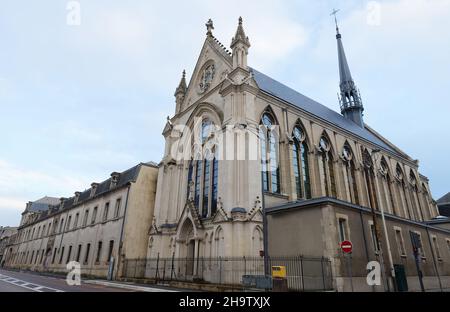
(132, 286)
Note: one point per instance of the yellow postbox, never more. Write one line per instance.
(278, 271)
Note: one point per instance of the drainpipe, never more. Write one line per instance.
(364, 235)
(122, 230)
(434, 259)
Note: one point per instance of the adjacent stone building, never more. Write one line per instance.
(6, 232)
(98, 227)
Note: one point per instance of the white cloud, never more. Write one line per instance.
(18, 183)
(12, 203)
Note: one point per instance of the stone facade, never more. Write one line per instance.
(109, 220)
(6, 233)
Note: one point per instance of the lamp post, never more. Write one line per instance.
(377, 234)
(263, 209)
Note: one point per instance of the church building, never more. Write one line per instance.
(241, 142)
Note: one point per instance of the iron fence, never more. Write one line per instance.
(302, 273)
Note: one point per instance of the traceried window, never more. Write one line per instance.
(416, 206)
(370, 179)
(387, 182)
(351, 184)
(203, 173)
(327, 167)
(300, 164)
(402, 186)
(269, 154)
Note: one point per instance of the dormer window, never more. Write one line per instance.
(61, 203)
(114, 179)
(94, 187)
(77, 197)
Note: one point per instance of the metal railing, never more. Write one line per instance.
(303, 273)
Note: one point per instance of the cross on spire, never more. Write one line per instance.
(335, 19)
(209, 27)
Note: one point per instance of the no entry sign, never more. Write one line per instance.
(347, 247)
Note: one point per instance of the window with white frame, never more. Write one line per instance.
(400, 241)
(343, 228)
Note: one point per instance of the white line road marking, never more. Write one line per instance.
(27, 285)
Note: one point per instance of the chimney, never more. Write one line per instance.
(28, 206)
(61, 203)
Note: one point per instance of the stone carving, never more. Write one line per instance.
(206, 78)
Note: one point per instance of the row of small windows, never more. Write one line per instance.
(343, 235)
(39, 256)
(45, 231)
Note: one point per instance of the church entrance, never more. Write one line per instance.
(190, 258)
(187, 248)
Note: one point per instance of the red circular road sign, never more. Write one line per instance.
(346, 246)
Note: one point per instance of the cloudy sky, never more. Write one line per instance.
(78, 102)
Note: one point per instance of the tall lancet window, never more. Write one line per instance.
(269, 154)
(327, 167)
(426, 199)
(300, 164)
(203, 172)
(402, 186)
(417, 207)
(351, 184)
(370, 179)
(387, 182)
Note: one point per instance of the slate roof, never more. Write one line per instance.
(444, 199)
(125, 177)
(284, 93)
(43, 204)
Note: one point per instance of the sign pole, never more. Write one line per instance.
(347, 249)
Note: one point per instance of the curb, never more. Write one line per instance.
(127, 286)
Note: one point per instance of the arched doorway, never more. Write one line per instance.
(187, 247)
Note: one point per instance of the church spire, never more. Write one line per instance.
(349, 98)
(239, 46)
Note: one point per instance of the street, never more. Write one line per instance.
(11, 281)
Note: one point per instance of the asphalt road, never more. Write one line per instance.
(11, 281)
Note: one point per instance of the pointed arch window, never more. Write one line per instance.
(269, 154)
(426, 197)
(300, 164)
(387, 180)
(326, 160)
(402, 185)
(415, 198)
(203, 173)
(370, 179)
(350, 169)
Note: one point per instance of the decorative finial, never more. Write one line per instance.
(184, 73)
(240, 20)
(209, 27)
(335, 19)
